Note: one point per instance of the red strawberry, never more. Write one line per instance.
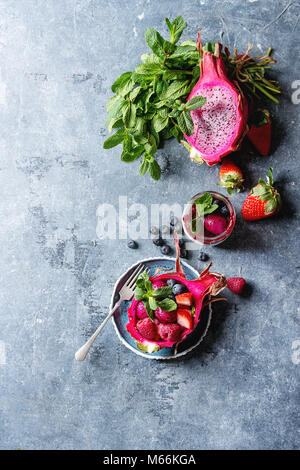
(185, 299)
(147, 328)
(262, 201)
(230, 176)
(260, 132)
(236, 284)
(184, 318)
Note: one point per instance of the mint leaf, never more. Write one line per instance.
(195, 103)
(154, 170)
(153, 304)
(139, 293)
(162, 292)
(144, 167)
(150, 313)
(177, 89)
(123, 84)
(185, 123)
(155, 42)
(114, 139)
(167, 304)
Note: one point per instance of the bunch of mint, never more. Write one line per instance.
(153, 298)
(149, 105)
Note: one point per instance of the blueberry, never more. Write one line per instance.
(179, 289)
(132, 244)
(154, 230)
(181, 242)
(158, 241)
(166, 250)
(224, 211)
(183, 253)
(203, 256)
(171, 282)
(165, 230)
(217, 202)
(173, 220)
(172, 296)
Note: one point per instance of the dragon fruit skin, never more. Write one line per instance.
(221, 124)
(207, 284)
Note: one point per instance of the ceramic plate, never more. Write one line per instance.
(120, 318)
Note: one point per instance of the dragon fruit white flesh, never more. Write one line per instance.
(165, 332)
(221, 124)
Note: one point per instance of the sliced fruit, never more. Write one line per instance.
(185, 318)
(185, 299)
(170, 332)
(165, 317)
(148, 347)
(147, 328)
(215, 224)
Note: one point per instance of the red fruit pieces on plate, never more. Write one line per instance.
(185, 318)
(185, 299)
(147, 328)
(169, 332)
(166, 317)
(236, 284)
(215, 224)
(141, 311)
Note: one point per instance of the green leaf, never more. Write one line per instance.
(123, 85)
(177, 89)
(159, 122)
(162, 292)
(150, 312)
(139, 293)
(195, 103)
(129, 115)
(115, 139)
(185, 123)
(154, 170)
(167, 304)
(150, 59)
(270, 206)
(144, 166)
(153, 304)
(130, 156)
(149, 70)
(176, 28)
(155, 42)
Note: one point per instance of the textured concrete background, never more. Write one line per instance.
(239, 389)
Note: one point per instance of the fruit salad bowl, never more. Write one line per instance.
(120, 319)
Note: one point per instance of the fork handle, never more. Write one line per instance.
(82, 352)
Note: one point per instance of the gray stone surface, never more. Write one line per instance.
(240, 388)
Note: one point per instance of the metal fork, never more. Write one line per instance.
(126, 293)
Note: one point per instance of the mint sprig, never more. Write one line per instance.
(149, 106)
(153, 298)
(204, 206)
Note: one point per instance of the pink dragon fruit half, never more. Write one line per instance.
(208, 284)
(221, 124)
